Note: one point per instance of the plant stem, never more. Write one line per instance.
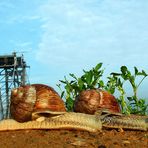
(141, 81)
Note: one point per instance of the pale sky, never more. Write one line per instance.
(59, 37)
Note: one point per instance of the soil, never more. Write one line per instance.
(73, 139)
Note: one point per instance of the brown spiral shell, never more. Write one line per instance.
(89, 101)
(48, 98)
(29, 98)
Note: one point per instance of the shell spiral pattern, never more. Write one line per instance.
(89, 101)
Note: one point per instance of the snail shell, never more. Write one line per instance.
(48, 98)
(89, 101)
(31, 98)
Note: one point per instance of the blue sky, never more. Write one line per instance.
(59, 37)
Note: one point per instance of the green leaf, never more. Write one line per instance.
(68, 88)
(136, 70)
(62, 81)
(130, 98)
(69, 103)
(72, 75)
(144, 73)
(98, 66)
(141, 102)
(115, 74)
(124, 69)
(89, 76)
(112, 90)
(58, 85)
(140, 74)
(101, 83)
(80, 83)
(71, 82)
(75, 87)
(62, 94)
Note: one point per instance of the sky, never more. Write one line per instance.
(58, 37)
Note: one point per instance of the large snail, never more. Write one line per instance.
(31, 98)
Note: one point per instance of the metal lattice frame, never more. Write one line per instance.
(12, 75)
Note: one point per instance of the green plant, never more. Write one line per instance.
(89, 80)
(134, 104)
(116, 81)
(114, 84)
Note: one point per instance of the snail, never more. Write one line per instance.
(93, 100)
(32, 98)
(89, 101)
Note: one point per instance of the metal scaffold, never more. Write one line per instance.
(12, 75)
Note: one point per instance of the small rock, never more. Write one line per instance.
(79, 142)
(126, 142)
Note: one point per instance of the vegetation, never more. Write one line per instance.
(115, 83)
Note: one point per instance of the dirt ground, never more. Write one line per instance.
(73, 139)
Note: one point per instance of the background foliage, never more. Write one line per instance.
(115, 83)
